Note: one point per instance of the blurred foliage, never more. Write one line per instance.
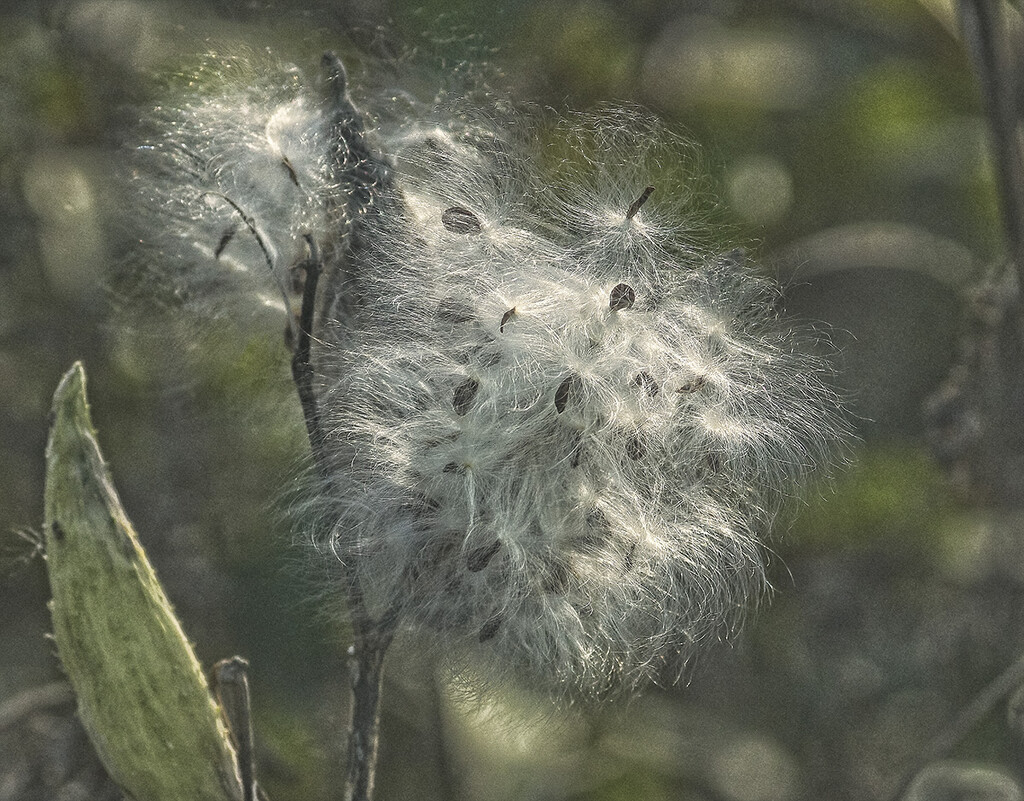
(847, 138)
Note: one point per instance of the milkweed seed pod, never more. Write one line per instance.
(554, 429)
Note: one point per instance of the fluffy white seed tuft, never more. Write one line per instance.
(555, 426)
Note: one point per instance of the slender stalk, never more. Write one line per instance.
(372, 638)
(231, 687)
(987, 40)
(972, 714)
(366, 661)
(302, 364)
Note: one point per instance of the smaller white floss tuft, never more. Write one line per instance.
(556, 427)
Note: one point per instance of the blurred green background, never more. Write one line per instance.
(847, 144)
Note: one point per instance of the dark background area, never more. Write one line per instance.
(847, 143)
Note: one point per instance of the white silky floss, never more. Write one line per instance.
(555, 428)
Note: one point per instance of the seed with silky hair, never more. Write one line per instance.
(460, 221)
(623, 297)
(462, 398)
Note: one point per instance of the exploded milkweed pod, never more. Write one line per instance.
(605, 417)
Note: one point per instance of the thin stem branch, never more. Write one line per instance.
(371, 638)
(231, 685)
(302, 364)
(366, 660)
(972, 714)
(986, 36)
(365, 177)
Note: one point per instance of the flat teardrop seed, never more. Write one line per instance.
(623, 297)
(734, 258)
(637, 204)
(563, 392)
(462, 398)
(630, 559)
(460, 220)
(291, 170)
(576, 454)
(635, 448)
(597, 523)
(646, 382)
(556, 579)
(226, 238)
(490, 628)
(506, 317)
(478, 558)
(692, 386)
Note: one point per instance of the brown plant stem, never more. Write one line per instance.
(972, 714)
(302, 364)
(231, 687)
(366, 660)
(989, 45)
(371, 638)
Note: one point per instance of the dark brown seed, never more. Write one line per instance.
(734, 258)
(460, 221)
(477, 559)
(430, 557)
(433, 554)
(490, 628)
(564, 391)
(453, 584)
(597, 522)
(506, 317)
(636, 205)
(635, 448)
(630, 557)
(453, 467)
(622, 297)
(489, 359)
(224, 241)
(435, 442)
(291, 170)
(576, 454)
(556, 579)
(692, 385)
(647, 383)
(462, 398)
